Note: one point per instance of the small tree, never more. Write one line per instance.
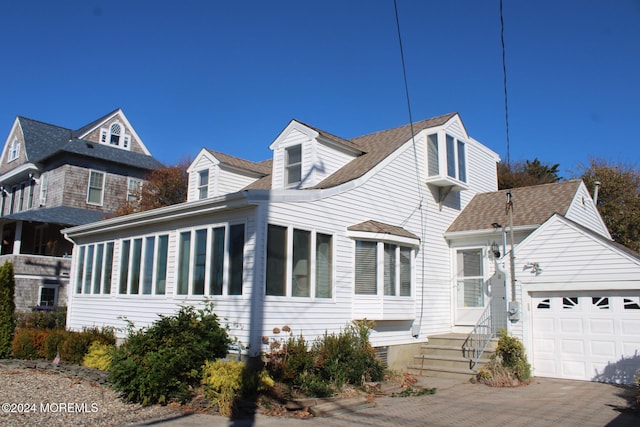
(163, 187)
(7, 309)
(618, 198)
(527, 173)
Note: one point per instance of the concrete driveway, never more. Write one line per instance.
(545, 402)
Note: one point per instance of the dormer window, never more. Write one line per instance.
(203, 184)
(115, 134)
(446, 161)
(14, 150)
(293, 168)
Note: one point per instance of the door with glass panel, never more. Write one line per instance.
(469, 286)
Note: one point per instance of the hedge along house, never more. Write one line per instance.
(53, 177)
(328, 231)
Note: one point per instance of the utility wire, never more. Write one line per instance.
(415, 156)
(504, 73)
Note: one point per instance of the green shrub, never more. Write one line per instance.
(53, 342)
(162, 362)
(7, 310)
(222, 382)
(226, 381)
(28, 343)
(513, 356)
(331, 362)
(76, 344)
(99, 356)
(54, 319)
(508, 366)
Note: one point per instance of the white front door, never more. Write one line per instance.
(470, 288)
(591, 336)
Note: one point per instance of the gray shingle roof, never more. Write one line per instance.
(63, 215)
(43, 140)
(531, 206)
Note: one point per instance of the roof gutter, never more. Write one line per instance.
(453, 235)
(20, 170)
(160, 215)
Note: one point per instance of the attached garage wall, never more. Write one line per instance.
(579, 293)
(586, 336)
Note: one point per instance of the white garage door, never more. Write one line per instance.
(594, 337)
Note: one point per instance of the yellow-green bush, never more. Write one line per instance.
(225, 381)
(99, 356)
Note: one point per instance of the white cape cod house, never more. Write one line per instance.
(394, 226)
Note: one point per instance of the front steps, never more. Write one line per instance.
(443, 357)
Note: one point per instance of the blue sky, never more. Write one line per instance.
(230, 75)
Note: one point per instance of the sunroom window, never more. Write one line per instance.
(94, 268)
(299, 263)
(211, 260)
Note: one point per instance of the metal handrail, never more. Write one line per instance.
(479, 338)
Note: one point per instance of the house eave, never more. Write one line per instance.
(455, 235)
(19, 172)
(164, 214)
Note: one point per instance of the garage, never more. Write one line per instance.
(593, 336)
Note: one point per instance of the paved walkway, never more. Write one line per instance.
(545, 402)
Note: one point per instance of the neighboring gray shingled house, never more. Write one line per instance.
(53, 177)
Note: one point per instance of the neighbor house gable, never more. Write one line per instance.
(115, 130)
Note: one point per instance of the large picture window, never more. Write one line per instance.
(299, 263)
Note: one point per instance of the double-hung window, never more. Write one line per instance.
(203, 184)
(95, 192)
(382, 267)
(14, 150)
(299, 263)
(211, 260)
(133, 190)
(293, 169)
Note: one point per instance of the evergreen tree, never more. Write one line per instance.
(7, 309)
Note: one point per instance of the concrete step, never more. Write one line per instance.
(458, 374)
(427, 360)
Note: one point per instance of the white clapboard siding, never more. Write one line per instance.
(583, 211)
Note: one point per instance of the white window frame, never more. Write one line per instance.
(460, 277)
(14, 150)
(133, 194)
(226, 264)
(104, 178)
(381, 289)
(292, 165)
(203, 187)
(44, 186)
(56, 289)
(83, 273)
(441, 151)
(312, 267)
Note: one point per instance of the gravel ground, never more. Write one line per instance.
(35, 397)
